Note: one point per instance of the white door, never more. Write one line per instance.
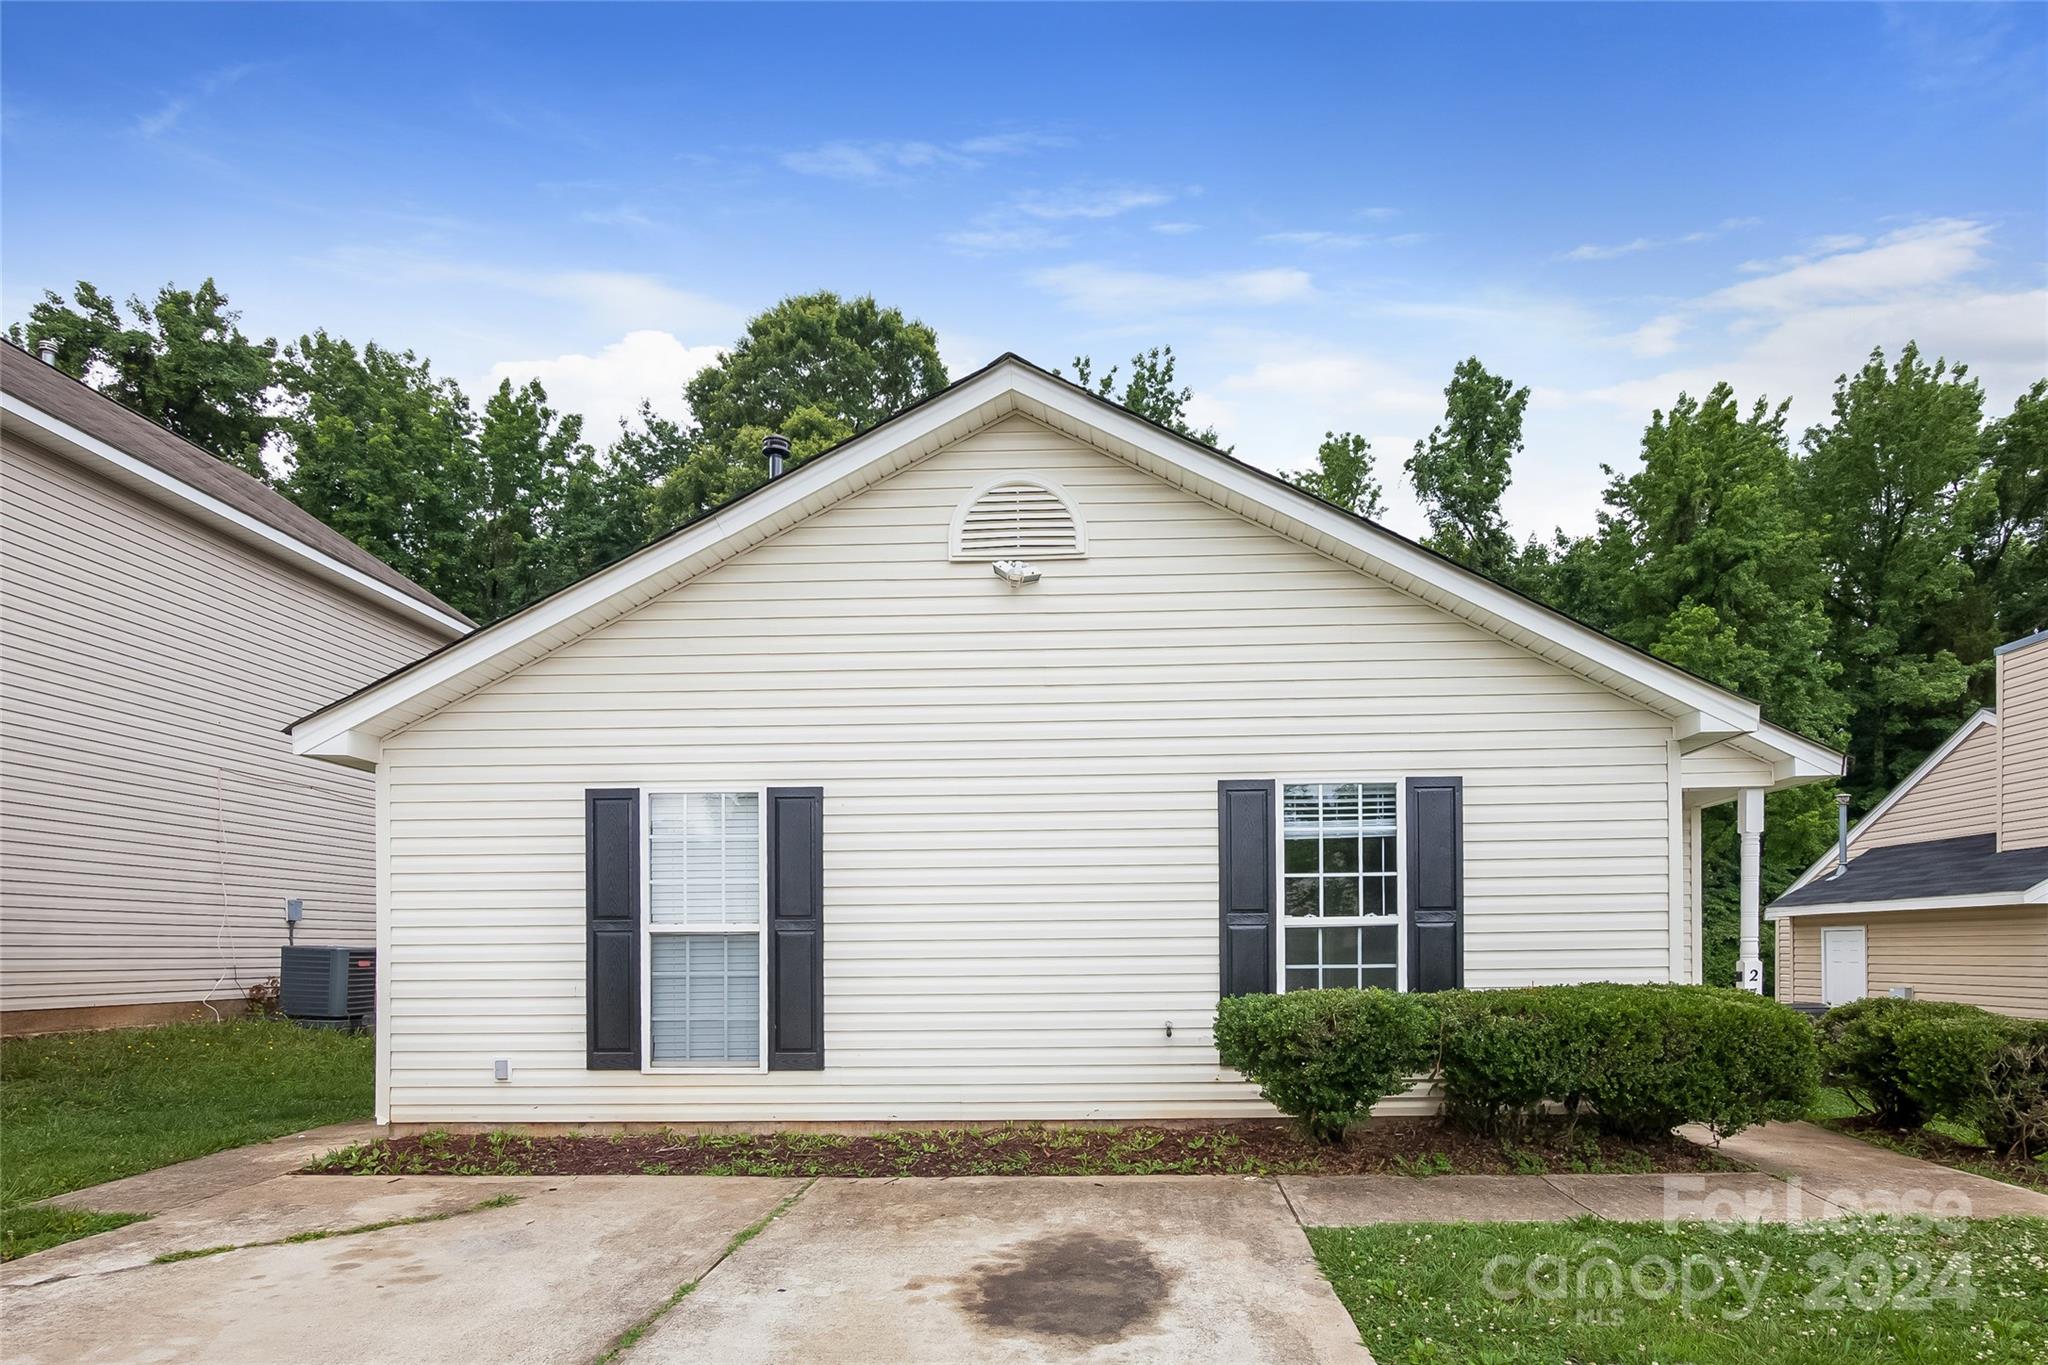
(1844, 966)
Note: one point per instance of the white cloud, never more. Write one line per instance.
(1085, 202)
(991, 235)
(1658, 336)
(616, 300)
(1112, 292)
(168, 115)
(1176, 229)
(1911, 258)
(1593, 251)
(889, 162)
(1377, 213)
(621, 215)
(1317, 237)
(609, 386)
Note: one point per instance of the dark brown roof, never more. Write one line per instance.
(79, 405)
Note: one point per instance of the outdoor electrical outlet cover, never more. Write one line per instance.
(502, 1068)
(294, 910)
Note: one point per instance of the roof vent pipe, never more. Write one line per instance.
(776, 448)
(1841, 835)
(47, 349)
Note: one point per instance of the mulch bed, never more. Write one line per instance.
(1399, 1146)
(1929, 1145)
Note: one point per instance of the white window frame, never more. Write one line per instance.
(1281, 919)
(648, 928)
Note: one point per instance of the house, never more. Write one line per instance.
(955, 773)
(163, 616)
(1945, 889)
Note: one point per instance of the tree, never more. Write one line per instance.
(1149, 392)
(384, 452)
(1894, 489)
(181, 361)
(815, 367)
(1343, 475)
(525, 455)
(1464, 466)
(2008, 552)
(1705, 561)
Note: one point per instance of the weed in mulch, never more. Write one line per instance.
(1415, 1147)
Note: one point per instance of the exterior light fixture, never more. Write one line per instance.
(1015, 572)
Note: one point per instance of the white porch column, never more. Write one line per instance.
(1749, 825)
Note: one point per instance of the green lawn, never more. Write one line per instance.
(1856, 1291)
(80, 1108)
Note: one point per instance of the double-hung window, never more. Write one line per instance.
(1340, 903)
(705, 930)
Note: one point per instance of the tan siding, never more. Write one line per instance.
(155, 820)
(1020, 815)
(1994, 958)
(2023, 747)
(1797, 978)
(1960, 796)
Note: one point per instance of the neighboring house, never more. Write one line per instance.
(1946, 891)
(803, 813)
(164, 615)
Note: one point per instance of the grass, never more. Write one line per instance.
(1819, 1293)
(626, 1340)
(77, 1109)
(502, 1201)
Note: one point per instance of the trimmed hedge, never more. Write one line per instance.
(1908, 1061)
(1643, 1058)
(1326, 1057)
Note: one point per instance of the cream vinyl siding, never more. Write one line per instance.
(1020, 802)
(1958, 797)
(1994, 958)
(2023, 746)
(155, 819)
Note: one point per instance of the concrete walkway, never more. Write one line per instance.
(733, 1269)
(1863, 1176)
(188, 1182)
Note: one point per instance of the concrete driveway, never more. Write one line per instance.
(1009, 1269)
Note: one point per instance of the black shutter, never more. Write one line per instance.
(611, 899)
(1436, 883)
(796, 929)
(1244, 836)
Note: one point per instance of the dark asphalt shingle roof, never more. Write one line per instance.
(1969, 866)
(80, 405)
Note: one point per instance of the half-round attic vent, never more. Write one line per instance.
(1018, 516)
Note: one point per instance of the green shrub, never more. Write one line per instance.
(1326, 1057)
(1645, 1058)
(2014, 1113)
(1908, 1061)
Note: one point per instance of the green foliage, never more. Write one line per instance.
(1326, 1057)
(1645, 1058)
(1593, 1290)
(1150, 391)
(77, 1109)
(1343, 475)
(1909, 1062)
(1895, 489)
(815, 367)
(384, 452)
(2008, 555)
(1464, 466)
(526, 453)
(181, 361)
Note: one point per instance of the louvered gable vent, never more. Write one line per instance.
(1018, 516)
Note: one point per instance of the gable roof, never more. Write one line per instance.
(84, 424)
(1933, 874)
(1984, 717)
(351, 729)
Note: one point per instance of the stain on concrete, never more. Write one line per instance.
(1070, 1286)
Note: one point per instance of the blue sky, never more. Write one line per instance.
(1321, 208)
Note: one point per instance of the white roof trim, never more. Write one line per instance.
(1987, 716)
(1011, 385)
(209, 508)
(2036, 894)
